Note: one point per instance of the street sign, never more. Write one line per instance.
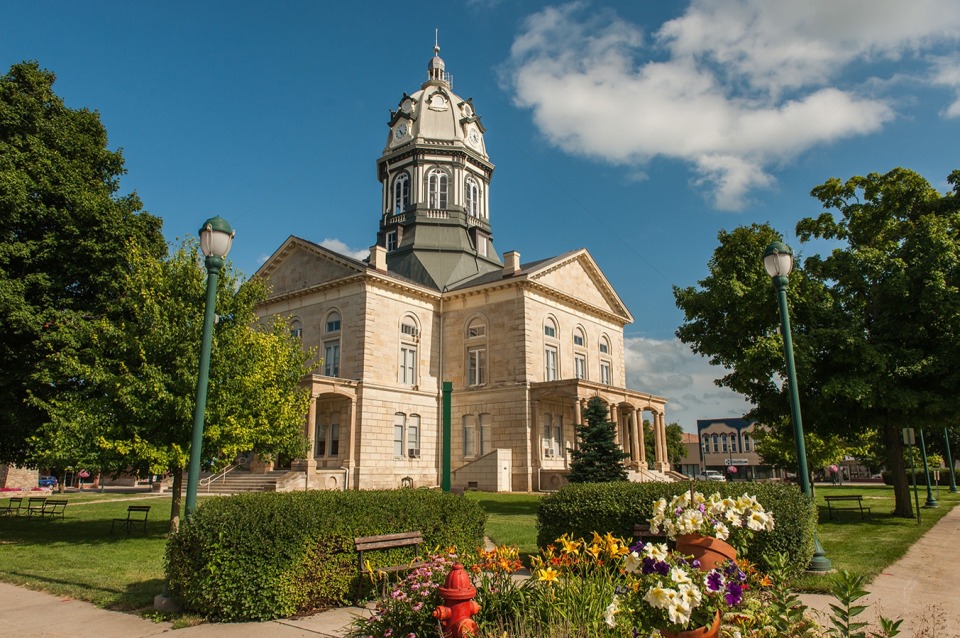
(737, 462)
(909, 438)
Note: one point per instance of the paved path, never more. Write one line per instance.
(923, 587)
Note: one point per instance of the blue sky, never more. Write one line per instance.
(635, 129)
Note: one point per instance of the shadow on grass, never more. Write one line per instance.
(509, 508)
(36, 531)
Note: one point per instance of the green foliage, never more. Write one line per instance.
(777, 447)
(848, 589)
(64, 239)
(266, 556)
(598, 458)
(676, 449)
(135, 405)
(580, 510)
(876, 322)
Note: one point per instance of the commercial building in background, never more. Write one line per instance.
(525, 345)
(723, 444)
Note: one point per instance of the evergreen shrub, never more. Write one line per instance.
(580, 510)
(255, 557)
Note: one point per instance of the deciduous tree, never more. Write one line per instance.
(64, 231)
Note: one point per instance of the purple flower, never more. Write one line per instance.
(637, 547)
(695, 563)
(648, 565)
(734, 593)
(714, 580)
(662, 568)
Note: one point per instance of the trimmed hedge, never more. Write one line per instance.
(582, 509)
(274, 555)
(922, 478)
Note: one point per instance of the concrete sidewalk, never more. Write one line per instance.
(923, 587)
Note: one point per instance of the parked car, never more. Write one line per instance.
(712, 475)
(47, 481)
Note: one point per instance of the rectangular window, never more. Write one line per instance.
(413, 437)
(551, 436)
(551, 372)
(580, 365)
(334, 435)
(398, 427)
(733, 443)
(746, 442)
(408, 365)
(331, 358)
(469, 436)
(605, 372)
(578, 340)
(550, 331)
(391, 240)
(486, 439)
(476, 366)
(723, 443)
(604, 347)
(716, 444)
(333, 325)
(321, 439)
(482, 245)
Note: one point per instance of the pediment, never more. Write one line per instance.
(577, 275)
(300, 264)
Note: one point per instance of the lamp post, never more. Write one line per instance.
(931, 502)
(216, 236)
(778, 262)
(953, 480)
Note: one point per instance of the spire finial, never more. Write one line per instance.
(436, 41)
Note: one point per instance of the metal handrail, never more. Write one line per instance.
(219, 475)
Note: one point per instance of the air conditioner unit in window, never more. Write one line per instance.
(413, 453)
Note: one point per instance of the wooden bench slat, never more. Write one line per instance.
(406, 542)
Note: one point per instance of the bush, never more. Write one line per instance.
(922, 479)
(580, 510)
(273, 555)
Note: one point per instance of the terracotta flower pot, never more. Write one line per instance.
(711, 552)
(702, 632)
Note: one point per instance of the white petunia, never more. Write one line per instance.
(632, 562)
(679, 576)
(721, 531)
(657, 551)
(659, 597)
(608, 613)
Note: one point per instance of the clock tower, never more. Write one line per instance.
(435, 176)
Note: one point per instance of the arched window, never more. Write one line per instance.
(437, 189)
(476, 340)
(746, 442)
(472, 195)
(579, 353)
(716, 443)
(733, 442)
(551, 351)
(606, 366)
(723, 442)
(331, 344)
(401, 193)
(705, 443)
(409, 337)
(296, 329)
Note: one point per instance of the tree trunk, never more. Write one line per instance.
(895, 463)
(175, 500)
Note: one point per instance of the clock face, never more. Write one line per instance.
(400, 131)
(473, 137)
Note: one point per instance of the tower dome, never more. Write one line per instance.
(435, 176)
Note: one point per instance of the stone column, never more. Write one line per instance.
(616, 424)
(642, 440)
(634, 439)
(308, 465)
(353, 436)
(662, 435)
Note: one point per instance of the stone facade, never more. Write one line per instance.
(19, 478)
(524, 345)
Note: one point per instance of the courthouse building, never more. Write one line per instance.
(525, 344)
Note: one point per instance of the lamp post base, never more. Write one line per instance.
(819, 563)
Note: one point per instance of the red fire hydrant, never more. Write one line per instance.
(455, 615)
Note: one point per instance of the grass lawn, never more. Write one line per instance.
(867, 546)
(78, 556)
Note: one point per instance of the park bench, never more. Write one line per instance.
(35, 505)
(13, 507)
(136, 515)
(855, 501)
(642, 533)
(385, 542)
(53, 508)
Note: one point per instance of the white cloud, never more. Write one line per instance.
(731, 86)
(338, 246)
(671, 370)
(946, 72)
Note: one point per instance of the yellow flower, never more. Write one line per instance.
(548, 574)
(569, 546)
